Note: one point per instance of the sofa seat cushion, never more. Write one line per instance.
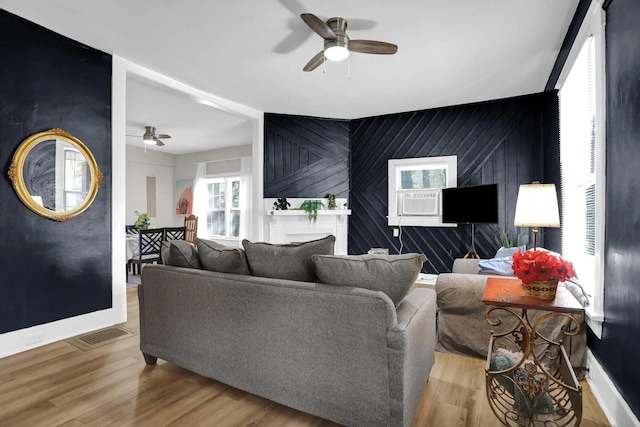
(221, 258)
(393, 275)
(291, 261)
(179, 253)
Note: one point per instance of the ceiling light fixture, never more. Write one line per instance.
(336, 53)
(148, 139)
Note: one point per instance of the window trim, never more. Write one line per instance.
(450, 163)
(228, 178)
(594, 25)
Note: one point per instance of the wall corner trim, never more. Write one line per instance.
(613, 405)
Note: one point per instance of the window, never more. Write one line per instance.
(423, 177)
(76, 178)
(223, 207)
(409, 182)
(582, 150)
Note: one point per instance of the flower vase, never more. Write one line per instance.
(543, 289)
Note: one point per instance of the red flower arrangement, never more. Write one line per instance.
(540, 265)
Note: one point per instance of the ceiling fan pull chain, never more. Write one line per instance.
(324, 65)
(348, 67)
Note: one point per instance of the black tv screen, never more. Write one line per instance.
(476, 204)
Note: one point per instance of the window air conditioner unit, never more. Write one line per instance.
(420, 202)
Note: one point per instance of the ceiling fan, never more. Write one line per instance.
(150, 138)
(337, 44)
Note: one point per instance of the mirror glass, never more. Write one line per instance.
(55, 175)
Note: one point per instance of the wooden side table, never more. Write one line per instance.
(529, 379)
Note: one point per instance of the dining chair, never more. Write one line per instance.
(174, 233)
(150, 242)
(191, 225)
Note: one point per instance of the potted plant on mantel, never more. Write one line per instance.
(311, 208)
(332, 201)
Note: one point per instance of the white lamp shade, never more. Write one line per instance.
(537, 206)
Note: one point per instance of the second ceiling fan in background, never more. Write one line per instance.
(151, 138)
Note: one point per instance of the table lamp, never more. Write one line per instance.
(537, 206)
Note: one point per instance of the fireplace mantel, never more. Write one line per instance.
(293, 225)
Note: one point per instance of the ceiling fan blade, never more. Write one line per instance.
(319, 26)
(158, 142)
(163, 136)
(371, 46)
(314, 62)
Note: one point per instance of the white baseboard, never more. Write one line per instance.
(611, 401)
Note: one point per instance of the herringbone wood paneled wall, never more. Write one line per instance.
(305, 156)
(500, 142)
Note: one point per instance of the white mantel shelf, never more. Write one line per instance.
(301, 212)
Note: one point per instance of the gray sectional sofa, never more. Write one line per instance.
(344, 353)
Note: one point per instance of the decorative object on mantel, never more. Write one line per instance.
(311, 208)
(540, 272)
(332, 201)
(281, 204)
(143, 222)
(537, 206)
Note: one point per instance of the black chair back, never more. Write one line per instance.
(150, 243)
(174, 233)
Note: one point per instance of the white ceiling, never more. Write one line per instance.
(449, 52)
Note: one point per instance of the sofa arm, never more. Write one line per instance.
(462, 328)
(411, 351)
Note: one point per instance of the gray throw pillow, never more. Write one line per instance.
(291, 261)
(221, 258)
(179, 253)
(392, 274)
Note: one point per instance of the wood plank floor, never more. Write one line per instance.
(61, 385)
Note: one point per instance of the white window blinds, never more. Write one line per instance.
(582, 170)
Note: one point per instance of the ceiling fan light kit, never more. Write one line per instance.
(336, 53)
(148, 139)
(337, 44)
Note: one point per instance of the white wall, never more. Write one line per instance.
(140, 165)
(185, 164)
(166, 168)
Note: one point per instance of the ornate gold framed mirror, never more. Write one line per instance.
(55, 175)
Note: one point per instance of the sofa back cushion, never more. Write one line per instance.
(221, 258)
(291, 261)
(179, 253)
(393, 275)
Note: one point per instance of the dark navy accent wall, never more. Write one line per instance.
(305, 156)
(618, 350)
(52, 270)
(507, 142)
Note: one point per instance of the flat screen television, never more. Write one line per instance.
(475, 204)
